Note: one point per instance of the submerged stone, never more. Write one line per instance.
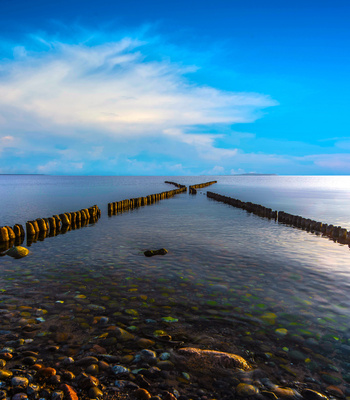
(210, 360)
(17, 252)
(246, 390)
(151, 253)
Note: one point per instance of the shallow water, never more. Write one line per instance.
(280, 286)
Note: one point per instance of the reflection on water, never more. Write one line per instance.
(281, 292)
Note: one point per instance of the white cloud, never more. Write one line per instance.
(75, 105)
(6, 142)
(113, 88)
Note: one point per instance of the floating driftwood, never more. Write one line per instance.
(334, 232)
(192, 188)
(129, 204)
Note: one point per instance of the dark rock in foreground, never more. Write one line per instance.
(151, 253)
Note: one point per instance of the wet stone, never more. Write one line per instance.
(95, 393)
(141, 394)
(68, 361)
(2, 363)
(310, 394)
(19, 382)
(6, 355)
(32, 389)
(20, 396)
(29, 360)
(284, 392)
(148, 355)
(57, 395)
(86, 361)
(269, 395)
(246, 390)
(335, 391)
(165, 365)
(3, 394)
(92, 369)
(296, 355)
(122, 384)
(68, 375)
(331, 379)
(119, 369)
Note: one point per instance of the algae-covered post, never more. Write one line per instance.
(336, 233)
(128, 204)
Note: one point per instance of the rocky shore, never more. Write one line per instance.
(57, 361)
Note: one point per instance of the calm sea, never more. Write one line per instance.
(222, 263)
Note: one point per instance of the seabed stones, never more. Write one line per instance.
(17, 252)
(151, 253)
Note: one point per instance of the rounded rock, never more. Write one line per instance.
(119, 369)
(310, 394)
(246, 390)
(20, 396)
(95, 393)
(29, 360)
(19, 382)
(92, 369)
(57, 395)
(141, 394)
(17, 252)
(86, 361)
(148, 355)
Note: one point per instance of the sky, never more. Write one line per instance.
(158, 87)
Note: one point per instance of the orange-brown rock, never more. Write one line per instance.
(210, 360)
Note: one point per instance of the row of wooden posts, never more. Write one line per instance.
(43, 227)
(192, 188)
(127, 204)
(257, 209)
(175, 184)
(335, 232)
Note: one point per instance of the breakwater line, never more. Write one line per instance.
(175, 184)
(129, 204)
(193, 188)
(336, 233)
(41, 228)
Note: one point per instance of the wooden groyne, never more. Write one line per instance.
(175, 184)
(192, 188)
(11, 236)
(129, 204)
(41, 228)
(256, 209)
(336, 233)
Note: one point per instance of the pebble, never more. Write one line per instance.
(20, 396)
(95, 393)
(92, 369)
(246, 390)
(148, 355)
(86, 361)
(141, 394)
(119, 369)
(145, 343)
(121, 384)
(57, 395)
(4, 374)
(19, 382)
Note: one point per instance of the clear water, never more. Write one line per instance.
(223, 264)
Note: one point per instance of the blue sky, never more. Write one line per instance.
(174, 88)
